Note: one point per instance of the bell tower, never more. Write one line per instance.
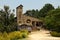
(19, 11)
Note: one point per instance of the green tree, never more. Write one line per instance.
(7, 20)
(28, 13)
(36, 13)
(32, 13)
(43, 12)
(52, 20)
(6, 11)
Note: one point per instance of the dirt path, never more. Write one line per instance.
(41, 35)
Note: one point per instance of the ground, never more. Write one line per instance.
(41, 35)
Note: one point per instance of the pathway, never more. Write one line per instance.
(41, 35)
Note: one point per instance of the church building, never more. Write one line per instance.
(27, 20)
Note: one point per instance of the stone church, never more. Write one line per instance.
(23, 19)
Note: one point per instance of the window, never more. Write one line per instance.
(19, 21)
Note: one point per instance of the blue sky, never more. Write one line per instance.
(28, 4)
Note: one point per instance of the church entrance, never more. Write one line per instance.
(36, 25)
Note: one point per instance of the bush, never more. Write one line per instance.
(13, 35)
(55, 34)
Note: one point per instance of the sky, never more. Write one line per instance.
(28, 4)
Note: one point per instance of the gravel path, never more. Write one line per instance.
(41, 35)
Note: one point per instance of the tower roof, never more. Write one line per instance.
(20, 6)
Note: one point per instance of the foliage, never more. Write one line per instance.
(52, 20)
(40, 13)
(43, 12)
(13, 35)
(7, 20)
(55, 34)
(32, 13)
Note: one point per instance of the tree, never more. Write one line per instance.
(52, 20)
(32, 13)
(40, 13)
(36, 13)
(28, 13)
(6, 11)
(7, 20)
(43, 12)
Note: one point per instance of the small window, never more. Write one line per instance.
(19, 21)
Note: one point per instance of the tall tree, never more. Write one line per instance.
(52, 20)
(7, 20)
(43, 12)
(32, 13)
(6, 10)
(28, 13)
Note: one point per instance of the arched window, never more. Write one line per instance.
(19, 21)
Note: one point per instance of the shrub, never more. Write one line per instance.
(4, 36)
(13, 35)
(55, 34)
